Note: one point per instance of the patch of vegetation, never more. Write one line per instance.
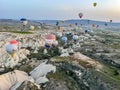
(39, 56)
(112, 72)
(26, 68)
(41, 49)
(85, 64)
(115, 46)
(57, 75)
(19, 32)
(54, 51)
(22, 32)
(66, 72)
(108, 79)
(61, 75)
(58, 58)
(51, 52)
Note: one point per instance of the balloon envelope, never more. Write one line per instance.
(47, 45)
(64, 39)
(55, 43)
(32, 27)
(59, 34)
(110, 20)
(105, 24)
(24, 21)
(76, 24)
(70, 25)
(80, 15)
(11, 48)
(93, 25)
(86, 31)
(57, 23)
(13, 42)
(50, 38)
(75, 37)
(94, 4)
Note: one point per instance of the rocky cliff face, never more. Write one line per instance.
(77, 77)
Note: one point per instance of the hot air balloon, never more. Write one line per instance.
(64, 39)
(110, 20)
(86, 31)
(57, 23)
(14, 42)
(93, 25)
(70, 25)
(75, 37)
(55, 43)
(47, 45)
(80, 15)
(105, 24)
(49, 39)
(32, 27)
(59, 34)
(94, 4)
(12, 47)
(76, 24)
(97, 26)
(24, 21)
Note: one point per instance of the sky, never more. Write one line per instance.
(60, 9)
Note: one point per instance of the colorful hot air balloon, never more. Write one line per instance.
(32, 27)
(49, 39)
(24, 21)
(12, 47)
(94, 4)
(80, 15)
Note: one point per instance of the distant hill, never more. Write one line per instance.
(83, 21)
(53, 22)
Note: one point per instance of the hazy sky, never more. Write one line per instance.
(60, 9)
